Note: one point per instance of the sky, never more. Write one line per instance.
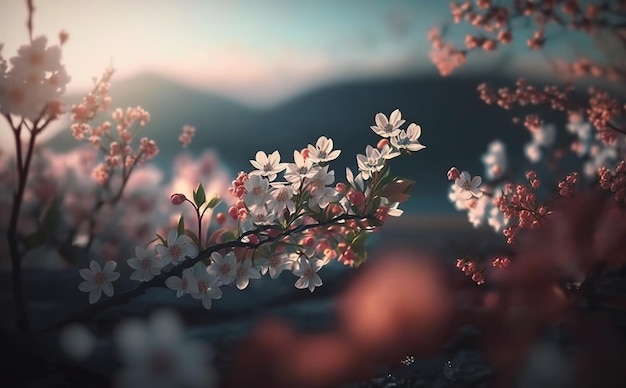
(257, 52)
(250, 50)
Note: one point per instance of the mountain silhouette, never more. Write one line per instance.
(456, 125)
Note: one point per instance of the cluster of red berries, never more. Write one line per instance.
(566, 186)
(238, 210)
(500, 262)
(519, 203)
(615, 182)
(469, 268)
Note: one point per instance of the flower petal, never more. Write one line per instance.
(95, 294)
(86, 274)
(108, 289)
(86, 286)
(302, 283)
(395, 116)
(109, 266)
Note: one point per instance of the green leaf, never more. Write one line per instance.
(358, 248)
(199, 196)
(397, 190)
(214, 202)
(163, 240)
(180, 229)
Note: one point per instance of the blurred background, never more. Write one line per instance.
(275, 75)
(278, 74)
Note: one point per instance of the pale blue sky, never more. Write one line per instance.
(256, 51)
(275, 47)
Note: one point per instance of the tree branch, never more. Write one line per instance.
(159, 281)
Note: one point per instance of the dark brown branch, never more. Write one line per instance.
(159, 281)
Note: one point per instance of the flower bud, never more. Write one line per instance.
(178, 198)
(454, 174)
(233, 212)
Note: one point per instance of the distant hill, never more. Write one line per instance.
(456, 125)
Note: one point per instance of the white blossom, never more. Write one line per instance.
(495, 160)
(245, 272)
(182, 285)
(323, 151)
(307, 271)
(225, 268)
(268, 166)
(388, 127)
(371, 162)
(299, 170)
(409, 139)
(98, 279)
(207, 285)
(321, 194)
(178, 248)
(156, 354)
(257, 190)
(469, 185)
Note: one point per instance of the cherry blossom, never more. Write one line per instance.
(321, 194)
(207, 285)
(357, 182)
(469, 185)
(178, 248)
(301, 169)
(277, 263)
(245, 272)
(268, 166)
(409, 139)
(35, 82)
(387, 152)
(224, 267)
(182, 285)
(307, 271)
(323, 151)
(260, 215)
(281, 199)
(388, 127)
(371, 162)
(98, 279)
(257, 190)
(495, 160)
(156, 354)
(145, 264)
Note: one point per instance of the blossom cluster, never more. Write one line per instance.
(116, 146)
(33, 86)
(299, 224)
(155, 352)
(495, 24)
(595, 124)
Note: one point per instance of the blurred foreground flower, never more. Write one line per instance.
(399, 305)
(157, 355)
(98, 279)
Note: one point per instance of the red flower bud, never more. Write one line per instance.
(178, 198)
(454, 174)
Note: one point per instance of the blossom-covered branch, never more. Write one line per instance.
(160, 280)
